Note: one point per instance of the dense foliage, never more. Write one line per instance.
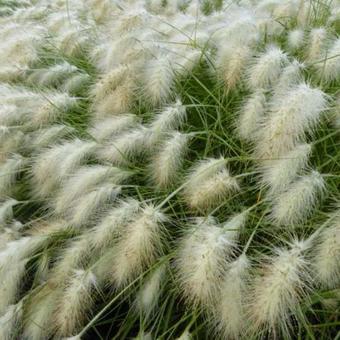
(169, 169)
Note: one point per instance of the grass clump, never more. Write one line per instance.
(169, 169)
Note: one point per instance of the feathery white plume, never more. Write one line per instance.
(6, 210)
(169, 159)
(9, 115)
(158, 79)
(75, 302)
(234, 225)
(240, 32)
(291, 76)
(201, 261)
(317, 41)
(251, 115)
(303, 15)
(275, 295)
(290, 117)
(326, 259)
(229, 312)
(109, 82)
(19, 44)
(74, 255)
(85, 210)
(208, 184)
(52, 75)
(10, 322)
(140, 244)
(279, 173)
(44, 137)
(10, 142)
(329, 69)
(266, 68)
(13, 259)
(127, 146)
(148, 295)
(298, 201)
(9, 234)
(186, 335)
(295, 39)
(55, 105)
(110, 127)
(10, 284)
(75, 83)
(75, 337)
(72, 41)
(185, 63)
(19, 250)
(83, 181)
(117, 102)
(172, 117)
(54, 164)
(38, 312)
(108, 229)
(284, 11)
(230, 63)
(9, 173)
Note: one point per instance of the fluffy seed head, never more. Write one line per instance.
(291, 76)
(55, 105)
(110, 127)
(107, 230)
(9, 115)
(172, 117)
(279, 173)
(10, 322)
(147, 297)
(208, 184)
(158, 80)
(54, 164)
(75, 302)
(44, 137)
(329, 69)
(298, 201)
(267, 68)
(275, 295)
(168, 161)
(117, 102)
(230, 63)
(86, 209)
(127, 146)
(10, 284)
(6, 210)
(75, 255)
(185, 63)
(186, 335)
(10, 142)
(39, 313)
(109, 82)
(317, 41)
(76, 83)
(234, 225)
(84, 181)
(326, 258)
(53, 75)
(295, 39)
(201, 261)
(140, 244)
(9, 172)
(251, 115)
(229, 312)
(290, 117)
